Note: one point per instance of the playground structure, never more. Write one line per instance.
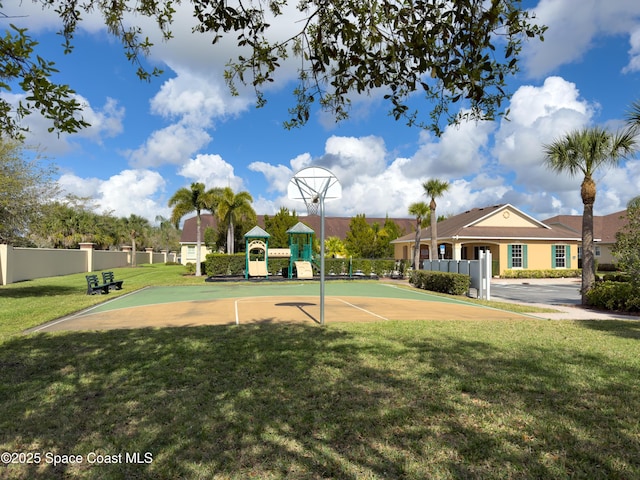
(301, 248)
(257, 239)
(299, 252)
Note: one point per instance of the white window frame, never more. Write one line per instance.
(561, 256)
(517, 255)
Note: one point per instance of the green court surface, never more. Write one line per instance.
(271, 302)
(208, 292)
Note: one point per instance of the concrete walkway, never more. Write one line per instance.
(564, 312)
(577, 312)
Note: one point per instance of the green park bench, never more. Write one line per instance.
(94, 286)
(109, 279)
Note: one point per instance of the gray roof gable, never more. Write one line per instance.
(300, 228)
(256, 232)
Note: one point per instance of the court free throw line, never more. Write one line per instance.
(361, 309)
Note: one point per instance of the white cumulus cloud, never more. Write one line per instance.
(130, 191)
(212, 170)
(574, 28)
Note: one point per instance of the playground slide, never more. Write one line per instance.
(258, 268)
(304, 269)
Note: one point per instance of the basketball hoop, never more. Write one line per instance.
(313, 205)
(314, 185)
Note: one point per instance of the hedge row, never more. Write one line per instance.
(551, 273)
(222, 264)
(217, 264)
(443, 282)
(616, 277)
(615, 296)
(340, 266)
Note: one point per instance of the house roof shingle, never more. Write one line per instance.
(333, 226)
(463, 225)
(467, 225)
(604, 227)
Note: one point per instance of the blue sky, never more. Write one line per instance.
(149, 139)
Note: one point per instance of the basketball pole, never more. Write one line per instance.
(322, 258)
(312, 185)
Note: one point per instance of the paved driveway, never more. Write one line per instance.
(546, 291)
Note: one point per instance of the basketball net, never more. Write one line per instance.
(313, 205)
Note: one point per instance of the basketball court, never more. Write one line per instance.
(277, 302)
(280, 303)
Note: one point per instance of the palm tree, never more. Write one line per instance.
(135, 227)
(420, 210)
(231, 209)
(166, 231)
(584, 152)
(434, 188)
(185, 201)
(334, 247)
(633, 116)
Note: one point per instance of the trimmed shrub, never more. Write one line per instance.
(191, 268)
(614, 296)
(607, 267)
(616, 277)
(336, 266)
(277, 264)
(442, 282)
(223, 264)
(340, 266)
(551, 273)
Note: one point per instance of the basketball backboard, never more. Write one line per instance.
(313, 185)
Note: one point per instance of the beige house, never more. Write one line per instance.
(605, 228)
(515, 240)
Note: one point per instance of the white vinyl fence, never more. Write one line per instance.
(18, 264)
(478, 270)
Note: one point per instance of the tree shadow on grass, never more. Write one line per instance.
(565, 412)
(40, 291)
(293, 401)
(625, 329)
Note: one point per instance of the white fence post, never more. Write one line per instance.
(87, 247)
(149, 251)
(5, 264)
(485, 276)
(129, 250)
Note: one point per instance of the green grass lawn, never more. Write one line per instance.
(27, 304)
(412, 400)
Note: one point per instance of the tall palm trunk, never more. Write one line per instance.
(134, 254)
(198, 245)
(588, 193)
(416, 248)
(433, 255)
(231, 238)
